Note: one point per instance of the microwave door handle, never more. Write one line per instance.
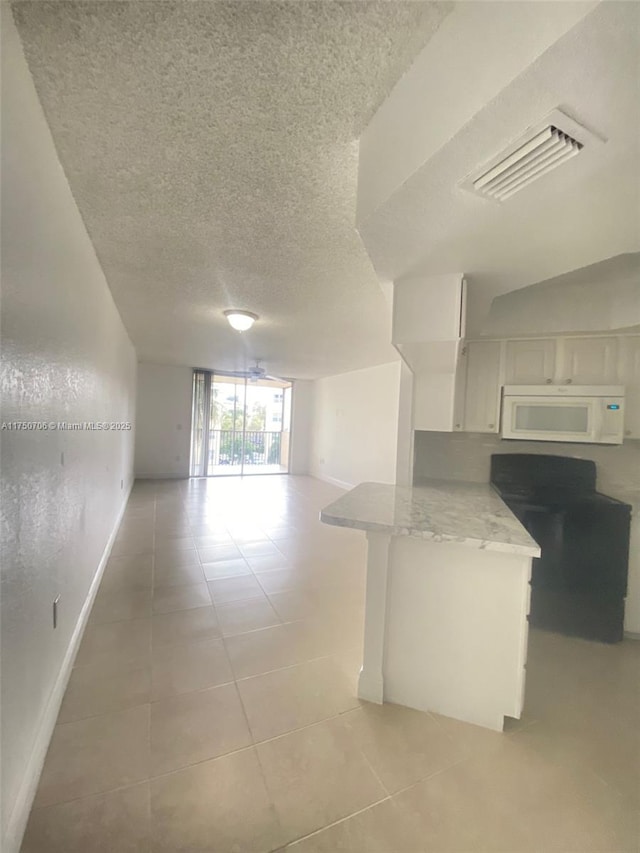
(508, 407)
(596, 419)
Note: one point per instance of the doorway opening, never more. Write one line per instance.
(240, 425)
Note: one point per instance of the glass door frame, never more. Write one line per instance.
(209, 379)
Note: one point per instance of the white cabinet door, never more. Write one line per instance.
(589, 361)
(438, 393)
(482, 395)
(530, 362)
(460, 389)
(630, 378)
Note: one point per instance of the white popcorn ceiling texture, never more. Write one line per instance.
(212, 151)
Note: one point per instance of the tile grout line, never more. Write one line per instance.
(432, 775)
(287, 666)
(241, 749)
(261, 766)
(212, 686)
(373, 770)
(294, 665)
(315, 832)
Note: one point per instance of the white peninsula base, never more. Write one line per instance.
(446, 616)
(445, 629)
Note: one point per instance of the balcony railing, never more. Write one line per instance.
(254, 447)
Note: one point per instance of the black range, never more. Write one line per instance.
(579, 583)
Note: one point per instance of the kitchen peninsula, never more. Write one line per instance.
(447, 598)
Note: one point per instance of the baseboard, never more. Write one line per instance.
(20, 814)
(631, 635)
(161, 476)
(325, 478)
(371, 687)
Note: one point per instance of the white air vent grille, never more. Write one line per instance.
(544, 152)
(542, 149)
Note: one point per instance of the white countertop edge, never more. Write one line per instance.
(480, 544)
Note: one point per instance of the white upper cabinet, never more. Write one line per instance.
(468, 398)
(438, 393)
(530, 362)
(630, 378)
(428, 325)
(588, 361)
(483, 386)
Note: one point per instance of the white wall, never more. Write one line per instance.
(301, 426)
(602, 297)
(66, 357)
(163, 422)
(355, 428)
(163, 427)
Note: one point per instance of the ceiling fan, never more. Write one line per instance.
(255, 372)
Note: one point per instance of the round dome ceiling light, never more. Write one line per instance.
(240, 320)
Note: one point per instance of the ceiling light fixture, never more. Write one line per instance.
(240, 320)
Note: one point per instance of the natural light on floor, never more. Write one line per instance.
(213, 706)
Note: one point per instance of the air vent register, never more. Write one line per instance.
(543, 148)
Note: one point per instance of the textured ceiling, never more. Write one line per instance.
(212, 151)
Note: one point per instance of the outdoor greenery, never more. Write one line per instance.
(224, 417)
(236, 439)
(257, 443)
(243, 424)
(227, 416)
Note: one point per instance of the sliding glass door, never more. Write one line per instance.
(239, 425)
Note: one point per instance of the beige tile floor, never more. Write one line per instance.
(212, 707)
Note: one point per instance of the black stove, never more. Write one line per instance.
(579, 583)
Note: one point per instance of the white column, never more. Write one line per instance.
(371, 681)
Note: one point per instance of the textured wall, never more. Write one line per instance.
(163, 420)
(355, 426)
(467, 456)
(66, 357)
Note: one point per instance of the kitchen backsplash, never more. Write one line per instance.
(466, 456)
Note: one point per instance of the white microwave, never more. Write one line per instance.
(586, 413)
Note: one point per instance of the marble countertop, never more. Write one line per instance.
(441, 510)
